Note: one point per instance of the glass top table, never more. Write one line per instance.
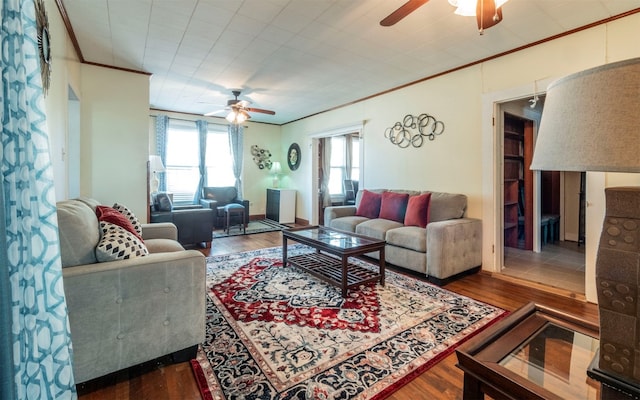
(555, 358)
(333, 238)
(330, 261)
(535, 353)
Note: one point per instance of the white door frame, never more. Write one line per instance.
(492, 172)
(315, 140)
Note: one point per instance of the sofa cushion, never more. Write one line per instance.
(117, 243)
(347, 223)
(377, 228)
(408, 237)
(369, 205)
(113, 216)
(445, 206)
(124, 210)
(418, 210)
(79, 233)
(393, 206)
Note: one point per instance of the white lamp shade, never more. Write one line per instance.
(155, 164)
(591, 121)
(276, 168)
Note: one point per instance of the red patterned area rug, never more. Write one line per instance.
(275, 332)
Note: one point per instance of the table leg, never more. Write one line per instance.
(284, 251)
(471, 389)
(345, 281)
(382, 266)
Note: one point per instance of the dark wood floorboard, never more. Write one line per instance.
(159, 380)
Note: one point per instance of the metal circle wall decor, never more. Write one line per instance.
(262, 157)
(294, 156)
(44, 44)
(413, 130)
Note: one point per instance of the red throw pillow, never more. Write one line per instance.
(394, 206)
(369, 204)
(110, 214)
(418, 210)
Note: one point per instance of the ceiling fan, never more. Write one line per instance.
(239, 109)
(488, 12)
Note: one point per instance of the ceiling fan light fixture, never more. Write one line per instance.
(237, 116)
(231, 117)
(467, 8)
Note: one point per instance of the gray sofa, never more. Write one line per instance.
(123, 313)
(450, 246)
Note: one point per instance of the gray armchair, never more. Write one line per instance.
(126, 312)
(218, 197)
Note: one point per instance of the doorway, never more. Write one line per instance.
(543, 212)
(338, 164)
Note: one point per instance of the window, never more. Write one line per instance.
(183, 155)
(219, 160)
(339, 163)
(336, 176)
(182, 174)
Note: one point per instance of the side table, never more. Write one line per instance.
(534, 353)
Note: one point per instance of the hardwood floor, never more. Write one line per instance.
(159, 381)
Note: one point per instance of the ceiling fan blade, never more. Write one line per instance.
(214, 113)
(260, 110)
(406, 9)
(487, 15)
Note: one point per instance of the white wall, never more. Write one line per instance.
(455, 161)
(115, 139)
(65, 73)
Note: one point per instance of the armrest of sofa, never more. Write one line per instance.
(160, 230)
(115, 307)
(331, 213)
(209, 203)
(453, 246)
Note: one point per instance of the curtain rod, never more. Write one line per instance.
(194, 120)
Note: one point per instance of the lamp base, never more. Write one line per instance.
(276, 182)
(612, 388)
(154, 184)
(618, 284)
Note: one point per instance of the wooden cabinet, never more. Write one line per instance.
(281, 205)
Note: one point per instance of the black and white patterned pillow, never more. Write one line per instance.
(117, 243)
(130, 216)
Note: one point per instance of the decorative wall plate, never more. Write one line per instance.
(44, 43)
(294, 156)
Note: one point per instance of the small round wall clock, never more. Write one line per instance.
(293, 156)
(44, 43)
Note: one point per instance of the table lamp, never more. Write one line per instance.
(591, 122)
(155, 166)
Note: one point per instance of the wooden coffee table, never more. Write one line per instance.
(330, 261)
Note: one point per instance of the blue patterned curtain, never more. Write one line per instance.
(39, 326)
(202, 136)
(161, 147)
(236, 140)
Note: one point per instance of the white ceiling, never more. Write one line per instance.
(301, 57)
